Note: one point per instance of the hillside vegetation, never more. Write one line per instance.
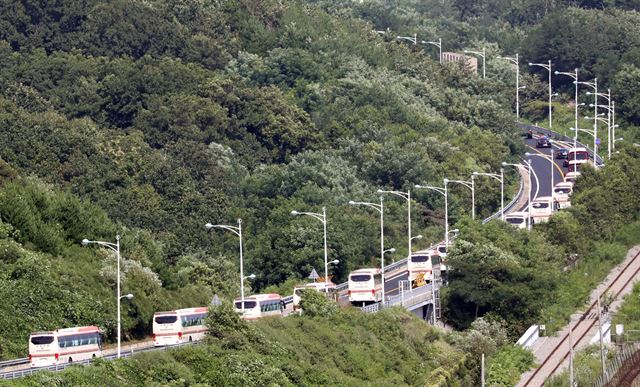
(148, 119)
(348, 349)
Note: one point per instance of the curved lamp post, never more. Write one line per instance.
(238, 231)
(380, 209)
(116, 248)
(442, 191)
(323, 219)
(500, 178)
(481, 54)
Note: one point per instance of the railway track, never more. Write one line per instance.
(580, 326)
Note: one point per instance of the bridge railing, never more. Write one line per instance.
(407, 299)
(629, 356)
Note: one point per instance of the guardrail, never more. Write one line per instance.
(507, 208)
(407, 300)
(60, 367)
(14, 362)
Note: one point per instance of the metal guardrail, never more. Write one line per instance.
(407, 300)
(507, 208)
(59, 367)
(14, 362)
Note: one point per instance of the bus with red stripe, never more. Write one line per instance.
(365, 286)
(259, 305)
(421, 264)
(66, 345)
(179, 326)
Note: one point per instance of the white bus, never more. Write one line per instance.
(323, 287)
(519, 219)
(179, 326)
(542, 208)
(421, 264)
(66, 345)
(260, 305)
(562, 192)
(571, 177)
(365, 286)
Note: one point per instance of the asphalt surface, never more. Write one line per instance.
(541, 176)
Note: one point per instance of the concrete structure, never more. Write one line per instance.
(470, 61)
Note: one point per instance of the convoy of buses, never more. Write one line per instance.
(543, 207)
(77, 344)
(364, 287)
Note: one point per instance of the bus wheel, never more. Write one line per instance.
(70, 360)
(190, 339)
(94, 356)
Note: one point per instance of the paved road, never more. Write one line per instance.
(541, 180)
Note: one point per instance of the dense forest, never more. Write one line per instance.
(149, 119)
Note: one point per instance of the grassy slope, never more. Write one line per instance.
(350, 349)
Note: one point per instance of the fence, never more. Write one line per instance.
(623, 369)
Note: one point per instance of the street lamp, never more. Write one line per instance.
(500, 178)
(406, 196)
(442, 191)
(591, 133)
(527, 164)
(238, 232)
(471, 185)
(113, 247)
(593, 85)
(322, 218)
(413, 39)
(575, 78)
(516, 61)
(610, 117)
(437, 44)
(550, 159)
(548, 68)
(481, 54)
(380, 209)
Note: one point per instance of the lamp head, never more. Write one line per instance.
(418, 236)
(556, 72)
(352, 202)
(208, 226)
(475, 173)
(527, 154)
(380, 191)
(446, 180)
(455, 231)
(530, 64)
(589, 93)
(294, 212)
(417, 186)
(128, 296)
(392, 250)
(504, 163)
(85, 242)
(252, 276)
(335, 261)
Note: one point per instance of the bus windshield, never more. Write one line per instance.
(562, 190)
(247, 304)
(580, 156)
(540, 205)
(166, 319)
(419, 258)
(515, 220)
(41, 340)
(360, 278)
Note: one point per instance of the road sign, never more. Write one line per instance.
(314, 275)
(597, 141)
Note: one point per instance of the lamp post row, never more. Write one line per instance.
(516, 61)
